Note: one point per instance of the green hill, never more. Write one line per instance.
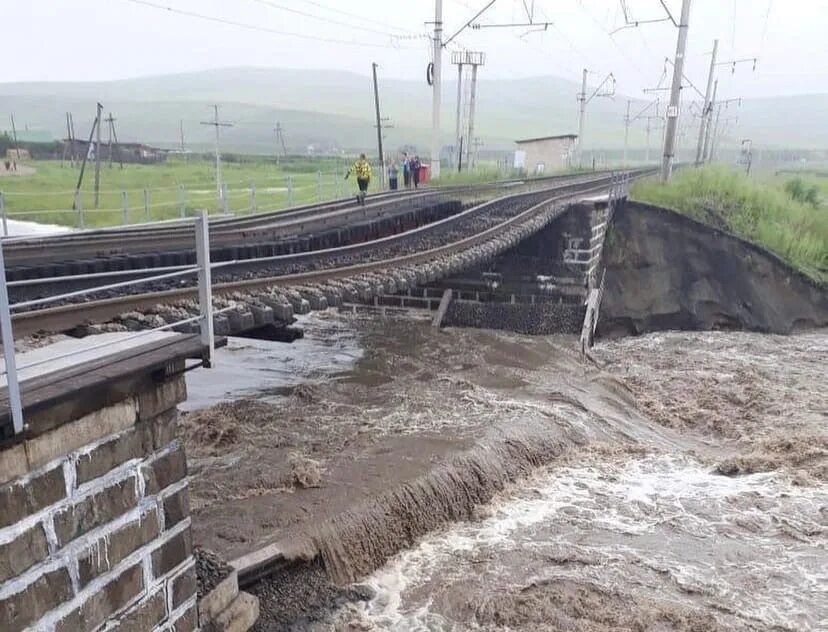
(332, 109)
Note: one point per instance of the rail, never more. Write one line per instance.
(204, 319)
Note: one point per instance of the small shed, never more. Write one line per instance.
(547, 154)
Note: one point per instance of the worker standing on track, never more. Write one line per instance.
(362, 169)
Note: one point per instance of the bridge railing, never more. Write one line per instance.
(204, 319)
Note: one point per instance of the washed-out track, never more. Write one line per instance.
(499, 222)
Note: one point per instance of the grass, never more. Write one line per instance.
(758, 210)
(47, 195)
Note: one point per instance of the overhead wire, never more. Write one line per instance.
(603, 29)
(355, 16)
(280, 7)
(255, 27)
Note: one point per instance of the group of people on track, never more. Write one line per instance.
(363, 172)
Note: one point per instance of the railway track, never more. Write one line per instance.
(85, 252)
(415, 256)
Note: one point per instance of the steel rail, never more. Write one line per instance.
(67, 316)
(226, 266)
(146, 238)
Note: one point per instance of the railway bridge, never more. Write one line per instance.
(94, 512)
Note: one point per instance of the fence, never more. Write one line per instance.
(203, 269)
(137, 206)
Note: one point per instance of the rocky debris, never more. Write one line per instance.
(211, 570)
(300, 595)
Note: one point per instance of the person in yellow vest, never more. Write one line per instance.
(362, 169)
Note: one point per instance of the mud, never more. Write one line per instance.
(481, 480)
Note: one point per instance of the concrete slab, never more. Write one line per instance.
(54, 357)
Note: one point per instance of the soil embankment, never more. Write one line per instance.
(665, 271)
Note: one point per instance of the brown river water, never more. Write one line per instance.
(478, 480)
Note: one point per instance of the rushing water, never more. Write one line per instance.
(631, 528)
(657, 538)
(264, 369)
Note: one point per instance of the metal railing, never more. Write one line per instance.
(204, 319)
(135, 206)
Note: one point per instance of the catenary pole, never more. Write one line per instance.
(708, 128)
(626, 131)
(583, 99)
(435, 79)
(675, 93)
(379, 128)
(457, 131)
(702, 124)
(472, 100)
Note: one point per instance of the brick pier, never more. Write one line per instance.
(94, 507)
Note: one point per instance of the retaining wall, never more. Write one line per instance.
(538, 319)
(94, 521)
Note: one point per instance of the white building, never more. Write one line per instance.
(549, 154)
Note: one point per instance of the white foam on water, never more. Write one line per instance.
(710, 540)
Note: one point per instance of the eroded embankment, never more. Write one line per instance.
(354, 543)
(666, 271)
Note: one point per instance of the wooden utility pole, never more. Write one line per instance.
(181, 130)
(14, 136)
(68, 146)
(217, 124)
(95, 124)
(98, 155)
(112, 135)
(675, 93)
(280, 141)
(72, 138)
(379, 127)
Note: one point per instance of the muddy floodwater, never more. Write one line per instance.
(478, 480)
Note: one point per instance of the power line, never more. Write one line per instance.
(253, 27)
(274, 5)
(765, 27)
(358, 17)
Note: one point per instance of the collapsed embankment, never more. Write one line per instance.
(667, 271)
(316, 566)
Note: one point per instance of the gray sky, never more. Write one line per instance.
(127, 39)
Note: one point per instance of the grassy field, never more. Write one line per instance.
(761, 210)
(47, 195)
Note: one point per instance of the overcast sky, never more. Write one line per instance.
(112, 39)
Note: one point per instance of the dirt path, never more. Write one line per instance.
(21, 171)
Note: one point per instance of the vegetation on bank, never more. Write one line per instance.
(789, 219)
(47, 194)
